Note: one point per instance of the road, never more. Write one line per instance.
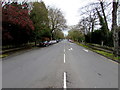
(62, 65)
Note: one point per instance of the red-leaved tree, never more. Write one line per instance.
(16, 23)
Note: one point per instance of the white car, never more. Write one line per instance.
(52, 42)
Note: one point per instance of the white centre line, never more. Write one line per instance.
(85, 50)
(64, 58)
(64, 50)
(65, 85)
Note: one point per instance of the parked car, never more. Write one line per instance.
(71, 41)
(58, 40)
(44, 43)
(52, 42)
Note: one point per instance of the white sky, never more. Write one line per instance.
(70, 8)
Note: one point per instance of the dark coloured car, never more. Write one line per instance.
(44, 43)
(58, 41)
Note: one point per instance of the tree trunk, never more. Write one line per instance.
(102, 7)
(115, 29)
(102, 43)
(93, 24)
(35, 41)
(52, 34)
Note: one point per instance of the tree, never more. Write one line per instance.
(76, 35)
(104, 33)
(0, 24)
(16, 23)
(115, 28)
(103, 11)
(57, 20)
(94, 16)
(58, 35)
(89, 19)
(39, 16)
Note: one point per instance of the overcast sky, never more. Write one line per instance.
(70, 8)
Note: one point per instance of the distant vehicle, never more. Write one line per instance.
(44, 43)
(52, 42)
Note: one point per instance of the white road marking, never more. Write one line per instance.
(64, 50)
(65, 85)
(64, 58)
(70, 49)
(85, 50)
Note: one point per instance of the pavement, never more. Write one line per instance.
(62, 65)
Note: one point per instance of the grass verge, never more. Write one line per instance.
(106, 54)
(3, 55)
(16, 51)
(109, 55)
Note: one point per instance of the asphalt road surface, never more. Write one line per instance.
(62, 65)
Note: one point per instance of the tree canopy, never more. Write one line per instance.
(76, 35)
(16, 23)
(56, 20)
(39, 16)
